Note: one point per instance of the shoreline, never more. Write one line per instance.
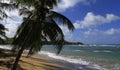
(63, 63)
(37, 62)
(70, 64)
(58, 64)
(31, 63)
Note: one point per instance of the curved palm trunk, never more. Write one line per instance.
(17, 59)
(30, 51)
(14, 66)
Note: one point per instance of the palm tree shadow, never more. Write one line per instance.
(6, 60)
(7, 64)
(6, 53)
(44, 65)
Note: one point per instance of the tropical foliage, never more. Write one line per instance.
(3, 6)
(43, 18)
(40, 24)
(2, 33)
(2, 16)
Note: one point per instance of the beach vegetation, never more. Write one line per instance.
(40, 23)
(2, 34)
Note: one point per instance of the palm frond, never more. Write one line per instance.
(28, 3)
(62, 19)
(55, 34)
(51, 3)
(2, 40)
(29, 36)
(2, 27)
(33, 30)
(2, 33)
(9, 6)
(32, 3)
(2, 14)
(24, 11)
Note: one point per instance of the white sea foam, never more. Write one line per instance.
(101, 45)
(72, 60)
(102, 51)
(78, 50)
(69, 59)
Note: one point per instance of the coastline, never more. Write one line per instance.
(37, 62)
(44, 62)
(31, 63)
(69, 63)
(79, 58)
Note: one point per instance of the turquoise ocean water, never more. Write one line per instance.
(101, 57)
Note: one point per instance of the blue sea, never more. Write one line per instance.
(85, 57)
(98, 57)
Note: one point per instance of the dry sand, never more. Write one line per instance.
(31, 63)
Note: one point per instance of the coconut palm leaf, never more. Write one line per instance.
(2, 33)
(42, 24)
(32, 3)
(9, 6)
(24, 11)
(61, 19)
(2, 14)
(51, 3)
(54, 33)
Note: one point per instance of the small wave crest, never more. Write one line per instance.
(71, 60)
(102, 45)
(107, 51)
(78, 50)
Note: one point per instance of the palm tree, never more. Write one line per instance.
(41, 23)
(8, 6)
(2, 33)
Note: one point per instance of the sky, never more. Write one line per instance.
(95, 21)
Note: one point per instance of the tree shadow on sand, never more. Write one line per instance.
(44, 66)
(6, 59)
(41, 63)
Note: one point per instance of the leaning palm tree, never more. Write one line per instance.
(41, 23)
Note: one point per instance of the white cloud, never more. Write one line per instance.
(94, 20)
(111, 31)
(92, 32)
(65, 4)
(11, 29)
(12, 22)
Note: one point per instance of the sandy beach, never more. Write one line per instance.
(71, 58)
(31, 63)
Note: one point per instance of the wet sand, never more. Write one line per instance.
(31, 63)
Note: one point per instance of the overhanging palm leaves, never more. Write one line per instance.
(62, 19)
(8, 6)
(29, 3)
(2, 14)
(42, 23)
(50, 30)
(2, 33)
